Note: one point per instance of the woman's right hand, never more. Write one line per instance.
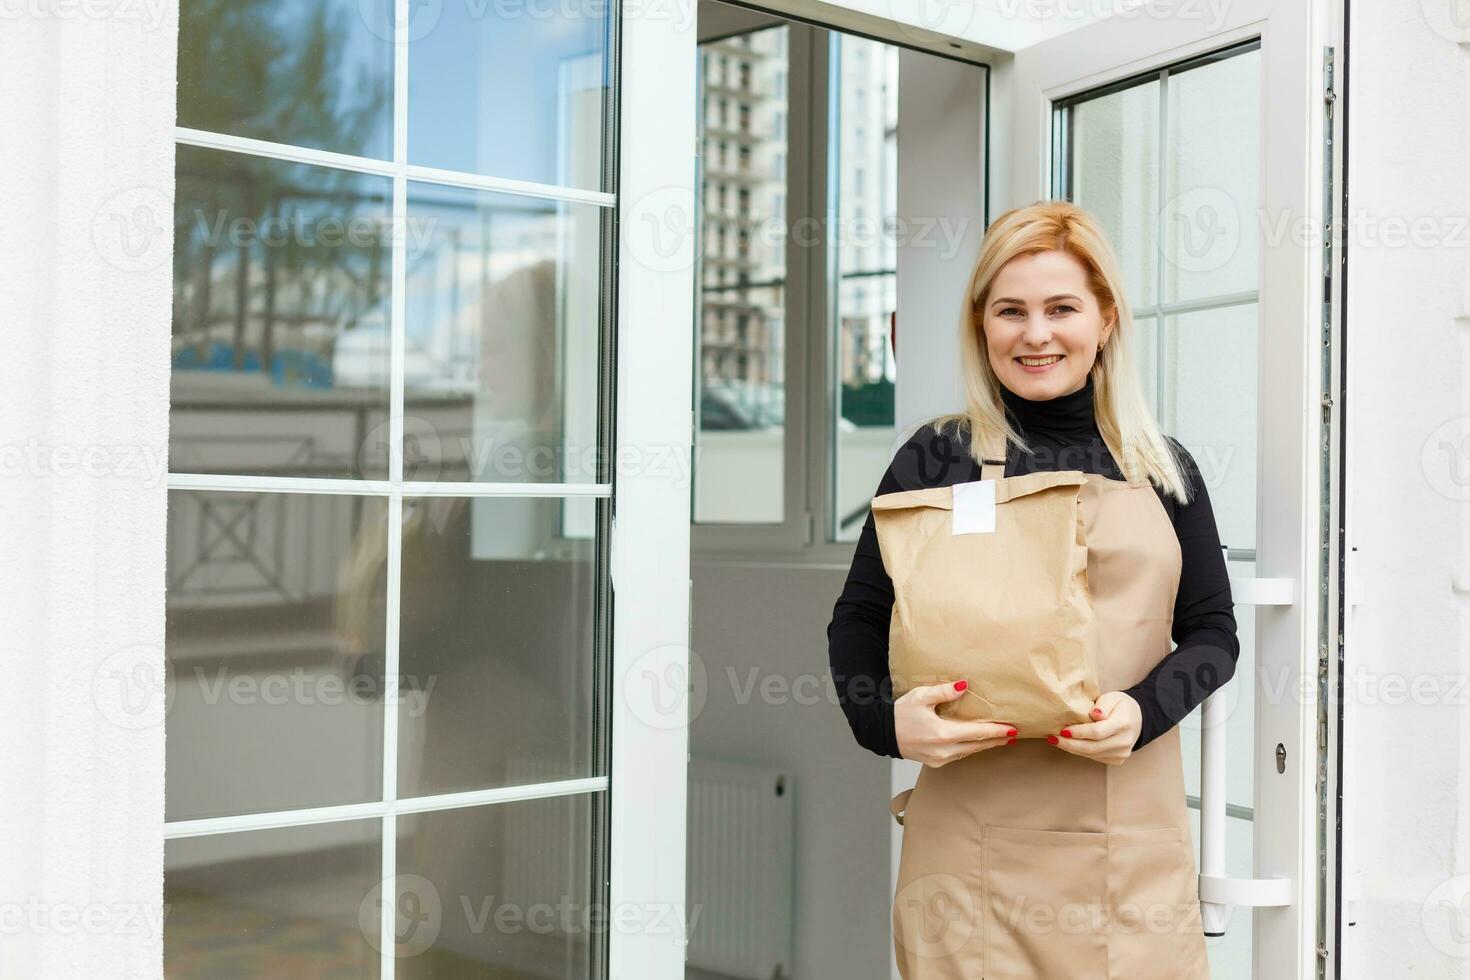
(930, 738)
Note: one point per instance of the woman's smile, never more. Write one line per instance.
(1038, 364)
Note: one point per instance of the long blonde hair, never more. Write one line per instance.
(1123, 415)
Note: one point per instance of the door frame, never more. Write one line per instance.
(649, 549)
(1297, 593)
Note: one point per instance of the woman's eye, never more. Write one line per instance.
(1069, 309)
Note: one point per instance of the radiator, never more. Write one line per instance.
(741, 825)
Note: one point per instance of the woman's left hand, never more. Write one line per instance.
(1109, 739)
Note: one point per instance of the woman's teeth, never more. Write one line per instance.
(1039, 361)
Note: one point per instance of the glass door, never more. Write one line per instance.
(407, 709)
(1158, 126)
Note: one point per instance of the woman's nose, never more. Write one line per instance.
(1038, 330)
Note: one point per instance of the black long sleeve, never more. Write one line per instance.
(1207, 645)
(1063, 436)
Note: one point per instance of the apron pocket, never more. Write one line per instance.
(1153, 898)
(1044, 904)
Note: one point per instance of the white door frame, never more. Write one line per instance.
(651, 496)
(1293, 36)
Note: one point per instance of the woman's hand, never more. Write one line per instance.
(934, 740)
(1108, 739)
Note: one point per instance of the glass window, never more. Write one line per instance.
(740, 442)
(388, 595)
(309, 73)
(867, 275)
(503, 302)
(282, 280)
(283, 902)
(274, 632)
(497, 640)
(514, 886)
(512, 90)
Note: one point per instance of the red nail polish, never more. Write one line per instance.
(1066, 733)
(960, 685)
(1010, 731)
(1053, 739)
(1010, 741)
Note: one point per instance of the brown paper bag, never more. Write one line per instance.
(1007, 610)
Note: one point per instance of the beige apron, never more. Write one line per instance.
(1024, 862)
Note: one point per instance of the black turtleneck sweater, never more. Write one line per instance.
(1063, 435)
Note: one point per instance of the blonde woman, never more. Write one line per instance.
(1069, 856)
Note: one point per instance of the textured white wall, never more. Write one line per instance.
(1409, 472)
(87, 159)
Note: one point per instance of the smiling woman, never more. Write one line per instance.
(1094, 811)
(1041, 343)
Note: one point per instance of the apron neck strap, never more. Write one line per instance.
(994, 465)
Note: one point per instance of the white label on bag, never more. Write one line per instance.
(974, 507)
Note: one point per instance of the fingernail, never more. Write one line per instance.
(1066, 733)
(1010, 731)
(1053, 739)
(1097, 712)
(960, 685)
(1010, 741)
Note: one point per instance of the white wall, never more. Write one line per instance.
(1409, 341)
(87, 156)
(760, 633)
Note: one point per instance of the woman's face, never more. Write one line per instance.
(1043, 325)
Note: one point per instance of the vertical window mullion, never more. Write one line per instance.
(1161, 322)
(402, 11)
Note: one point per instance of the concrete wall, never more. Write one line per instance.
(87, 156)
(1409, 475)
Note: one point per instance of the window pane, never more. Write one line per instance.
(280, 322)
(1146, 357)
(1210, 405)
(867, 261)
(274, 632)
(290, 902)
(1115, 174)
(740, 439)
(1212, 187)
(513, 884)
(509, 90)
(496, 643)
(313, 73)
(502, 338)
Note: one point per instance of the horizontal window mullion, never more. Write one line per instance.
(1223, 301)
(506, 185)
(284, 151)
(293, 484)
(388, 168)
(276, 820)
